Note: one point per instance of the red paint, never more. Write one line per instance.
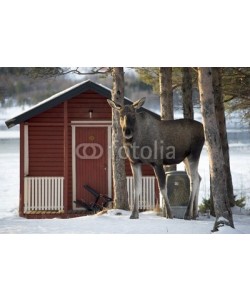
(50, 147)
(66, 157)
(147, 170)
(91, 171)
(46, 151)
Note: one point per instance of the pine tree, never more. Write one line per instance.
(188, 110)
(118, 164)
(218, 180)
(221, 122)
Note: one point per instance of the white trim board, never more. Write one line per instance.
(74, 125)
(26, 150)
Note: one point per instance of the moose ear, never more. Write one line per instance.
(114, 105)
(137, 104)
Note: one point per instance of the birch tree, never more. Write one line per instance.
(118, 163)
(218, 180)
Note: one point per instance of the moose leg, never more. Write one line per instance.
(196, 199)
(194, 178)
(161, 179)
(136, 169)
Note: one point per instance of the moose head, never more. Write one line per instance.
(127, 116)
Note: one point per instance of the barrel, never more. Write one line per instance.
(178, 188)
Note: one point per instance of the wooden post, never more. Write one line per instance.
(21, 194)
(66, 164)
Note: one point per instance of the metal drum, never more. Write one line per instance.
(178, 192)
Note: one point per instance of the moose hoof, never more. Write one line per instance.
(134, 216)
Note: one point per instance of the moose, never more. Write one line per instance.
(150, 140)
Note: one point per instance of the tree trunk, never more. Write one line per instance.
(118, 164)
(166, 100)
(166, 107)
(166, 94)
(218, 180)
(188, 110)
(221, 121)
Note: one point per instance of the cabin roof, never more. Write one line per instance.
(63, 96)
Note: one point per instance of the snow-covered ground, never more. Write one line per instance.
(111, 223)
(118, 222)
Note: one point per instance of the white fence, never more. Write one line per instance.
(43, 193)
(147, 200)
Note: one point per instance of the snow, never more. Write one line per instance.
(118, 222)
(9, 176)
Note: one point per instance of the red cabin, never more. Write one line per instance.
(58, 139)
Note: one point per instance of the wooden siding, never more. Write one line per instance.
(46, 151)
(78, 110)
(79, 107)
(53, 115)
(147, 170)
(65, 157)
(46, 137)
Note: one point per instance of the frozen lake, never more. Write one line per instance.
(239, 144)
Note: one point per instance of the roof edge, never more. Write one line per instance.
(63, 96)
(57, 99)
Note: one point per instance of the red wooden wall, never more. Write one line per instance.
(46, 150)
(46, 136)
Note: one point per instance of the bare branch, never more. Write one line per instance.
(101, 70)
